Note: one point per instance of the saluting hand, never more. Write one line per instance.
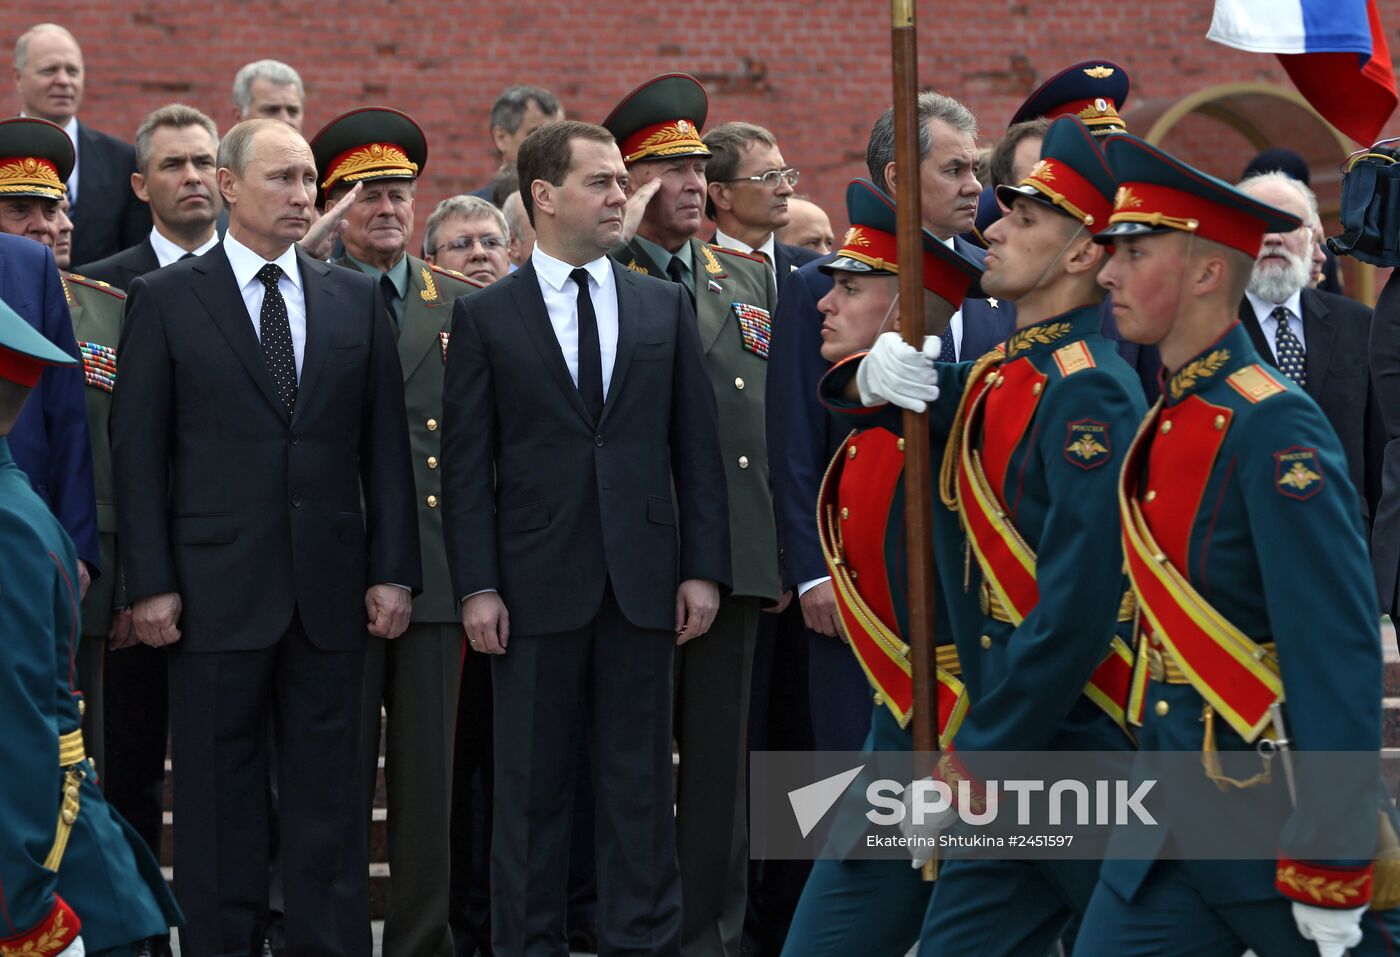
(636, 207)
(697, 601)
(156, 619)
(390, 607)
(320, 238)
(486, 622)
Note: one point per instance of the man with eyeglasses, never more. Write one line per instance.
(657, 127)
(468, 235)
(414, 678)
(748, 193)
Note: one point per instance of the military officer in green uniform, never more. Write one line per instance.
(414, 678)
(877, 906)
(657, 127)
(1258, 615)
(68, 863)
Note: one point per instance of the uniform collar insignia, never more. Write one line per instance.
(429, 292)
(1041, 334)
(1197, 371)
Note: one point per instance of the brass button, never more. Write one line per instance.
(738, 382)
(851, 452)
(1162, 709)
(999, 381)
(432, 501)
(1166, 427)
(1151, 494)
(432, 461)
(900, 445)
(991, 377)
(432, 425)
(1035, 389)
(879, 699)
(82, 707)
(986, 641)
(743, 461)
(855, 575)
(1219, 422)
(845, 513)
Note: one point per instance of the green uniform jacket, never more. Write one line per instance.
(422, 342)
(97, 324)
(734, 304)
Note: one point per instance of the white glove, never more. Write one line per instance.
(894, 371)
(75, 949)
(923, 833)
(1334, 931)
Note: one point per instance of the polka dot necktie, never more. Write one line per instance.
(1288, 350)
(947, 352)
(275, 332)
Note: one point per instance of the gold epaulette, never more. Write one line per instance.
(97, 284)
(1255, 383)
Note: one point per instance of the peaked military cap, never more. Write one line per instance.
(1157, 192)
(372, 142)
(36, 158)
(871, 246)
(661, 119)
(24, 352)
(1094, 91)
(1071, 175)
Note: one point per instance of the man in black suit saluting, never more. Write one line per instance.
(583, 388)
(266, 516)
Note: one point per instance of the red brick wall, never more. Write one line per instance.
(812, 72)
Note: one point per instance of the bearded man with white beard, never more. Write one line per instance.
(1317, 339)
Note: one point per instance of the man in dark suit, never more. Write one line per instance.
(1385, 374)
(583, 386)
(175, 177)
(265, 505)
(106, 214)
(748, 187)
(1317, 339)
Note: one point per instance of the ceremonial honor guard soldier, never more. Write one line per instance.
(860, 515)
(68, 863)
(1247, 555)
(657, 127)
(413, 677)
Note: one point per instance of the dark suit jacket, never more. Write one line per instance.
(576, 503)
(107, 217)
(121, 269)
(788, 259)
(802, 435)
(222, 497)
(1336, 333)
(1385, 374)
(50, 440)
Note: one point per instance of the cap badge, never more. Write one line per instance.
(1043, 170)
(1124, 199)
(1099, 72)
(683, 125)
(855, 238)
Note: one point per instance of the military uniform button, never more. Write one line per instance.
(1162, 709)
(743, 461)
(986, 641)
(432, 425)
(900, 445)
(845, 513)
(999, 381)
(851, 452)
(1036, 389)
(1219, 422)
(432, 461)
(1151, 494)
(1166, 427)
(739, 382)
(296, 501)
(855, 575)
(879, 699)
(432, 501)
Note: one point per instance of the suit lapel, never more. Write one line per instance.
(628, 308)
(1256, 332)
(1319, 334)
(223, 300)
(525, 290)
(426, 313)
(322, 306)
(711, 304)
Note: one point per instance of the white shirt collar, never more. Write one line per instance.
(1264, 310)
(167, 252)
(768, 248)
(246, 263)
(556, 271)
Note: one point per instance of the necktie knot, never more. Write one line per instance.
(580, 277)
(269, 274)
(676, 270)
(1281, 315)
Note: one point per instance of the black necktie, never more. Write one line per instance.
(590, 353)
(390, 293)
(275, 332)
(676, 270)
(1291, 356)
(185, 256)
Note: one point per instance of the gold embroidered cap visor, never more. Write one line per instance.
(36, 158)
(373, 142)
(661, 119)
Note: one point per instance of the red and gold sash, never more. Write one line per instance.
(873, 635)
(1007, 562)
(1234, 673)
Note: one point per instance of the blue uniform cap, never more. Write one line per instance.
(1094, 91)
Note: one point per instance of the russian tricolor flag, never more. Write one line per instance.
(1334, 51)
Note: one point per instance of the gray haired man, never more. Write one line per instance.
(271, 89)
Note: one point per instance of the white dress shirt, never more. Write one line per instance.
(561, 301)
(167, 252)
(769, 248)
(246, 264)
(1264, 312)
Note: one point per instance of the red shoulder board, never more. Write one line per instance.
(460, 277)
(742, 255)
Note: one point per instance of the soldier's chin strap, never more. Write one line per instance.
(889, 313)
(1045, 273)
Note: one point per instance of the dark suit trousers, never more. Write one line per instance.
(469, 900)
(414, 678)
(712, 835)
(219, 706)
(840, 695)
(135, 735)
(619, 676)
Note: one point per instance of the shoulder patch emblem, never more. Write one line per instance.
(99, 365)
(1087, 444)
(442, 340)
(1073, 357)
(1254, 383)
(1298, 473)
(755, 328)
(637, 267)
(429, 293)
